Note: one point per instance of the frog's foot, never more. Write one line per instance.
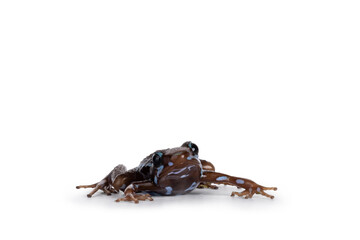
(249, 193)
(207, 185)
(133, 197)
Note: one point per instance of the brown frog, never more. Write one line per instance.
(171, 171)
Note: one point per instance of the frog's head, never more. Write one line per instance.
(174, 164)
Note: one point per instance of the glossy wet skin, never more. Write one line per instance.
(171, 171)
(176, 170)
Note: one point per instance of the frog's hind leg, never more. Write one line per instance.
(250, 187)
(207, 166)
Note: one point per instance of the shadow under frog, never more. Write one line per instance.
(171, 171)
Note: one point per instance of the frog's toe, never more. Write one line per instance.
(143, 197)
(261, 190)
(244, 194)
(266, 195)
(86, 186)
(127, 198)
(135, 198)
(249, 193)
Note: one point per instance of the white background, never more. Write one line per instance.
(268, 90)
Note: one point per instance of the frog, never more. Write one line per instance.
(169, 172)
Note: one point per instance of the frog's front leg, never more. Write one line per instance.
(139, 186)
(106, 184)
(103, 185)
(250, 187)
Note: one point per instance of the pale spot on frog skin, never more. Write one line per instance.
(258, 189)
(181, 170)
(192, 187)
(240, 181)
(170, 163)
(155, 180)
(193, 157)
(222, 178)
(168, 190)
(159, 169)
(206, 167)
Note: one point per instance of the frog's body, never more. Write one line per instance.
(170, 172)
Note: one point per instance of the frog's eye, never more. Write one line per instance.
(194, 148)
(157, 158)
